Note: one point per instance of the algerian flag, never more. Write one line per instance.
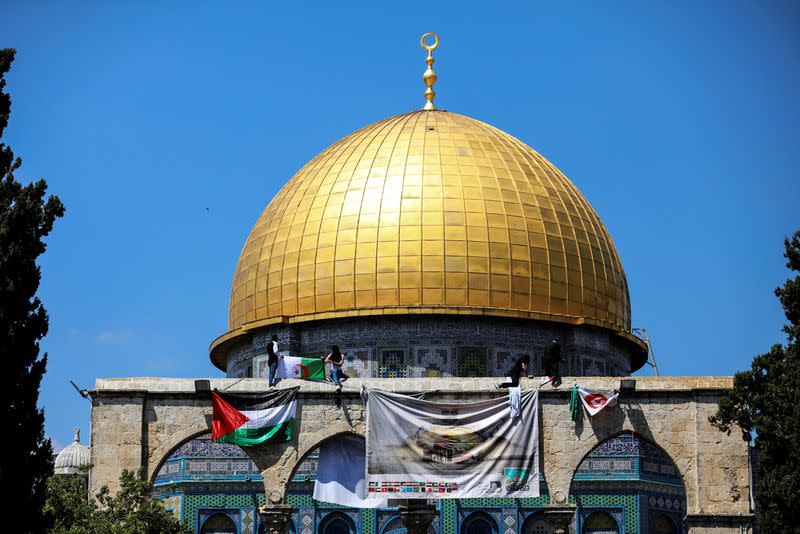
(296, 367)
(253, 419)
(594, 401)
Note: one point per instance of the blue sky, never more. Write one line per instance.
(679, 121)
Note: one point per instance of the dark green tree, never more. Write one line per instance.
(765, 404)
(68, 508)
(132, 510)
(26, 218)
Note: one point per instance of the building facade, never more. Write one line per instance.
(435, 250)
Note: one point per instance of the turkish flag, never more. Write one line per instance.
(594, 401)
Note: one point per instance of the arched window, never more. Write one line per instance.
(600, 523)
(202, 460)
(478, 523)
(535, 524)
(663, 525)
(395, 526)
(218, 524)
(337, 523)
(628, 464)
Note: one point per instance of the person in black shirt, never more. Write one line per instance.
(551, 361)
(272, 359)
(520, 367)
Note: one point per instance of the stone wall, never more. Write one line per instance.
(138, 422)
(439, 346)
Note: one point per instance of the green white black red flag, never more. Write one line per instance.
(254, 419)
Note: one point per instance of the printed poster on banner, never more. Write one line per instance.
(429, 450)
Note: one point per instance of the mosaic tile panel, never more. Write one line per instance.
(601, 521)
(368, 521)
(307, 524)
(472, 361)
(627, 456)
(307, 470)
(626, 505)
(217, 516)
(534, 523)
(326, 514)
(201, 505)
(358, 362)
(392, 363)
(663, 523)
(593, 367)
(433, 361)
(483, 517)
(201, 459)
(173, 504)
(651, 490)
(530, 502)
(260, 367)
(248, 524)
(509, 521)
(504, 358)
(502, 361)
(365, 335)
(447, 515)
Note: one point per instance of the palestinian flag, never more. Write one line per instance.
(296, 367)
(253, 419)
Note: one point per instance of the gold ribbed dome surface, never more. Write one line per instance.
(429, 212)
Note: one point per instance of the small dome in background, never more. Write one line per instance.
(72, 457)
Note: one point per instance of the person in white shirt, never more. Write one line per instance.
(272, 359)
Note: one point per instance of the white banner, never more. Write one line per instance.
(418, 449)
(594, 401)
(340, 474)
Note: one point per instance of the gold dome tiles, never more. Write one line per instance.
(429, 212)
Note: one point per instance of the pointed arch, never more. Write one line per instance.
(478, 523)
(624, 473)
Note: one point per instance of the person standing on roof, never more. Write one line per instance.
(336, 359)
(551, 362)
(519, 368)
(272, 359)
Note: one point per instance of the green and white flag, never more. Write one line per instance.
(302, 368)
(253, 419)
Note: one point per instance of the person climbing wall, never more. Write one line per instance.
(552, 362)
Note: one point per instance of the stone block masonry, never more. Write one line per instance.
(138, 422)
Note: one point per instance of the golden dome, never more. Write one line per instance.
(428, 212)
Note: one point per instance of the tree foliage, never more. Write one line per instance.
(765, 404)
(132, 510)
(26, 218)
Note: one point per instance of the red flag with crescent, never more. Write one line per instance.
(595, 401)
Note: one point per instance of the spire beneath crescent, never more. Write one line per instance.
(429, 77)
